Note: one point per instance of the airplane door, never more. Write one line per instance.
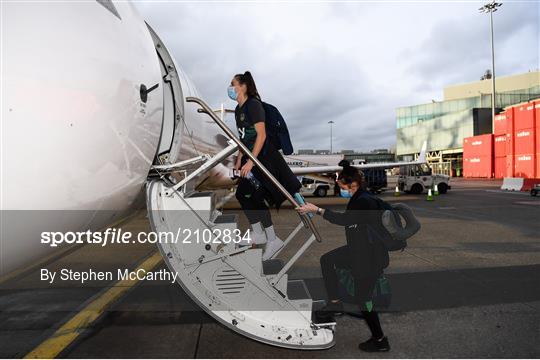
(173, 103)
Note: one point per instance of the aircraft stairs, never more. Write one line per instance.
(229, 281)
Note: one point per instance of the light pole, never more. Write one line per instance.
(331, 123)
(490, 8)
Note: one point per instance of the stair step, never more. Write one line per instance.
(223, 219)
(272, 266)
(297, 290)
(317, 305)
(203, 203)
(197, 194)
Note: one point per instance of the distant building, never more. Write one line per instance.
(375, 156)
(305, 152)
(322, 152)
(464, 112)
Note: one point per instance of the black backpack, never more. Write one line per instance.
(277, 132)
(391, 230)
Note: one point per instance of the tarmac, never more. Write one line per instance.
(467, 286)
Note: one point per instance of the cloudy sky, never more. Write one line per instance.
(350, 62)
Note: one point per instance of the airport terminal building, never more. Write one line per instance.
(464, 112)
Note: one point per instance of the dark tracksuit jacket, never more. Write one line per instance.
(364, 254)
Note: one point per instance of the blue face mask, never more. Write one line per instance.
(345, 193)
(231, 91)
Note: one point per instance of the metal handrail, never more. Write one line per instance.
(206, 109)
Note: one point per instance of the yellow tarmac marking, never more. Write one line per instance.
(68, 332)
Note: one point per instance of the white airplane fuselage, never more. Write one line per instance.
(78, 138)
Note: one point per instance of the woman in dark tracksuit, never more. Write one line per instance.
(254, 190)
(364, 255)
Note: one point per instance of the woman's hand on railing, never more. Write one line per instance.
(307, 208)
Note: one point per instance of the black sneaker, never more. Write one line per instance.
(373, 345)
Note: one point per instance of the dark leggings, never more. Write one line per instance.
(363, 286)
(252, 202)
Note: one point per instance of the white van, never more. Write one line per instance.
(315, 187)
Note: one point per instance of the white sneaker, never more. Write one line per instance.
(258, 236)
(271, 248)
(255, 239)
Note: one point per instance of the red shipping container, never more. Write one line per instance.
(524, 116)
(525, 166)
(537, 166)
(478, 166)
(537, 141)
(537, 113)
(509, 144)
(509, 165)
(499, 167)
(481, 145)
(524, 141)
(510, 117)
(500, 124)
(499, 145)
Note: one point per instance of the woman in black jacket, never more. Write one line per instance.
(364, 255)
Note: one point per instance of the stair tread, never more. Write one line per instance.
(272, 266)
(226, 218)
(297, 290)
(200, 194)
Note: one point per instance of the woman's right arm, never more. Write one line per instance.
(338, 218)
(353, 215)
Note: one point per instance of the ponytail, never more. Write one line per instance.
(247, 79)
